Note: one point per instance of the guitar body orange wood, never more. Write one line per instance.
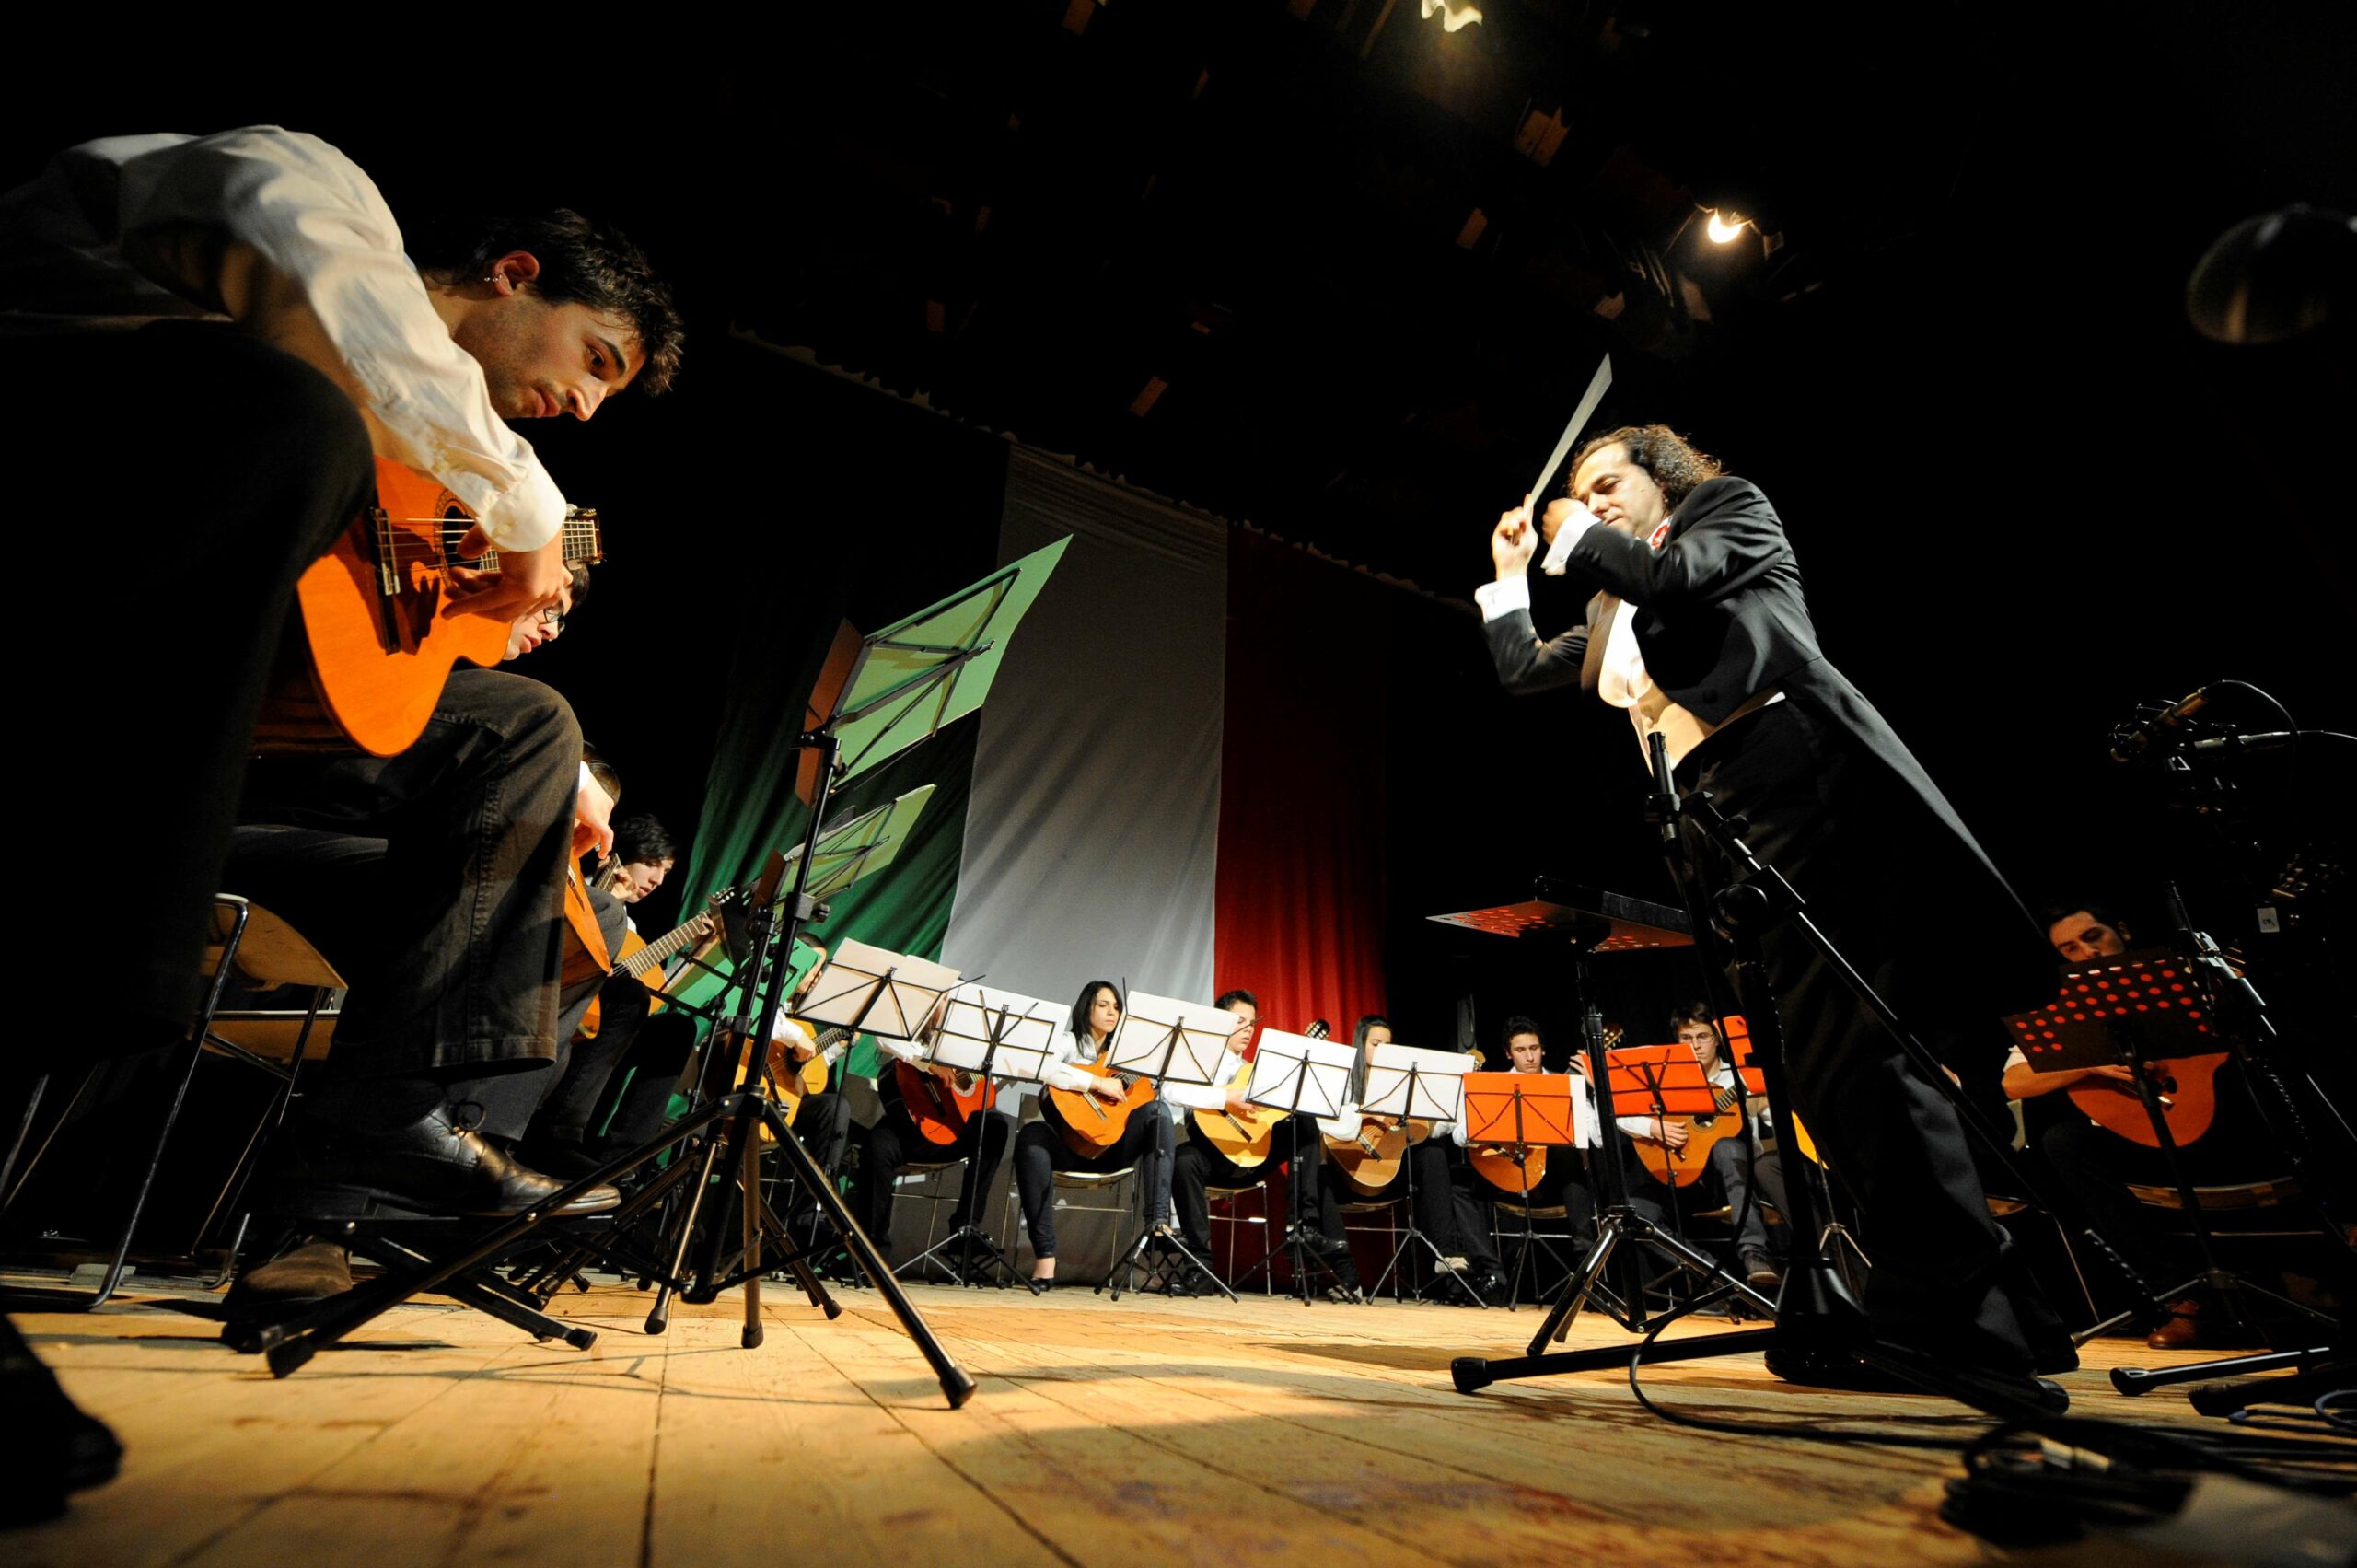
(940, 1108)
(1683, 1168)
(1370, 1162)
(2189, 1084)
(1499, 1166)
(1090, 1124)
(378, 661)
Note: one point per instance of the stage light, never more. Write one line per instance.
(1454, 13)
(1723, 229)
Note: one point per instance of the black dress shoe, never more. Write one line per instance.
(432, 1167)
(565, 1159)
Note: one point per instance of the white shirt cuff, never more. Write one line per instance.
(1502, 599)
(1559, 555)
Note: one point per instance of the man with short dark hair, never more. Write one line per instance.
(1700, 631)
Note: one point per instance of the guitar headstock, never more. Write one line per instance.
(1319, 1030)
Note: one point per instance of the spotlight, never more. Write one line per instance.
(1454, 13)
(1723, 229)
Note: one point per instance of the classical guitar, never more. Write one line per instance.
(1368, 1160)
(1681, 1167)
(942, 1101)
(1089, 1123)
(1244, 1139)
(375, 648)
(1516, 1169)
(2187, 1087)
(643, 961)
(793, 1082)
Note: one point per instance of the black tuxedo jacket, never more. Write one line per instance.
(1719, 618)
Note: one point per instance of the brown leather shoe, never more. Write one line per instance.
(2181, 1329)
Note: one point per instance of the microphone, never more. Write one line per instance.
(2134, 738)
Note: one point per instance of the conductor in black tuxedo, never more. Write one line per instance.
(1699, 631)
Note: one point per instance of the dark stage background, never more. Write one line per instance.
(2024, 493)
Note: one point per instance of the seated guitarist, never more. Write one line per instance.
(1557, 1183)
(895, 1139)
(1454, 1224)
(1199, 1166)
(1732, 1169)
(2094, 1165)
(1041, 1149)
(311, 342)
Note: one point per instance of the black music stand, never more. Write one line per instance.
(996, 1036)
(1424, 1086)
(1143, 1045)
(1302, 1086)
(2148, 1007)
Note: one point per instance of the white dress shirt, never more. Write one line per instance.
(1621, 677)
(311, 213)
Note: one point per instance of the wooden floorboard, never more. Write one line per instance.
(1102, 1433)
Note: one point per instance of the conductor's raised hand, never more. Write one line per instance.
(526, 580)
(1514, 541)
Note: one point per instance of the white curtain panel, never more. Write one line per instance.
(1092, 835)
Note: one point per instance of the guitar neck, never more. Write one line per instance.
(583, 543)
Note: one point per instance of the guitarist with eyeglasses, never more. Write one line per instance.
(1681, 1156)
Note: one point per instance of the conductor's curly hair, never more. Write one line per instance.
(1672, 461)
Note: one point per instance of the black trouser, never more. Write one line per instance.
(514, 1105)
(1872, 857)
(451, 938)
(204, 515)
(894, 1142)
(1666, 1208)
(2093, 1167)
(1451, 1218)
(637, 1101)
(1198, 1166)
(1040, 1152)
(1560, 1184)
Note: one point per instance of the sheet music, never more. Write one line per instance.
(850, 990)
(1320, 1069)
(1027, 1030)
(1438, 1077)
(1199, 1058)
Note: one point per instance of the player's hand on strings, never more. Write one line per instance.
(526, 580)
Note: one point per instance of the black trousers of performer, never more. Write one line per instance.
(208, 513)
(1198, 1166)
(1560, 1184)
(452, 935)
(1040, 1152)
(1731, 1177)
(1446, 1207)
(893, 1143)
(1869, 856)
(2093, 1166)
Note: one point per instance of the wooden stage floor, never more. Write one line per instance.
(1103, 1433)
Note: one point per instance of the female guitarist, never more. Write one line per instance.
(1258, 1144)
(1103, 1125)
(1384, 1160)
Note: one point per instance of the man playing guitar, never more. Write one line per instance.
(1730, 1164)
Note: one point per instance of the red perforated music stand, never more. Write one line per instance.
(2149, 1000)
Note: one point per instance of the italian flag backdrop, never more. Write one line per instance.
(1177, 783)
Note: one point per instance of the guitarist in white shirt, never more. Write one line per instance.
(1734, 1173)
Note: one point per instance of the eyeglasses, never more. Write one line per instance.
(553, 618)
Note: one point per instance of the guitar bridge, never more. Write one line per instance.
(388, 582)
